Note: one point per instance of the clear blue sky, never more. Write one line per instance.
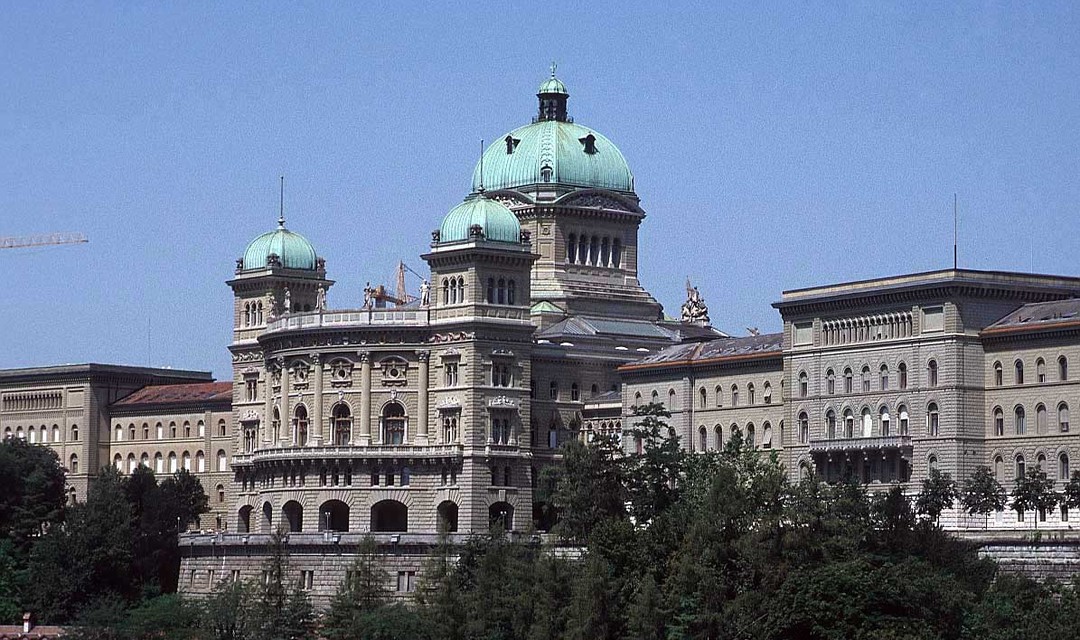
(773, 146)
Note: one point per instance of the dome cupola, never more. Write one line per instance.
(553, 150)
(280, 248)
(480, 218)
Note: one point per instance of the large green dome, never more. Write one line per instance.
(553, 151)
(292, 249)
(499, 223)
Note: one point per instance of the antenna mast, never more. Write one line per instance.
(954, 260)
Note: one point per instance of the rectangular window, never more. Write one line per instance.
(406, 581)
(307, 579)
(235, 575)
(210, 579)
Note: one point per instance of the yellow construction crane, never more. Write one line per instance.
(41, 240)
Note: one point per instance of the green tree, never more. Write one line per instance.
(1070, 495)
(589, 488)
(595, 607)
(228, 612)
(1034, 492)
(283, 610)
(983, 494)
(33, 491)
(654, 476)
(364, 591)
(937, 494)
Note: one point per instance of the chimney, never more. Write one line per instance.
(27, 625)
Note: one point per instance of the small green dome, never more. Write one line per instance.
(292, 249)
(557, 152)
(499, 223)
(552, 85)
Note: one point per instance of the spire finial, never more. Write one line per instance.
(481, 190)
(281, 206)
(553, 66)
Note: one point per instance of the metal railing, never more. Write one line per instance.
(355, 317)
(351, 452)
(860, 444)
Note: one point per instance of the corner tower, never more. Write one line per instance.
(572, 190)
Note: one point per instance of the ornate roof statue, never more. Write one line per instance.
(694, 309)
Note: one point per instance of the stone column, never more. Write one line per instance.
(268, 412)
(365, 398)
(320, 432)
(285, 438)
(422, 399)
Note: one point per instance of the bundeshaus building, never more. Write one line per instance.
(438, 412)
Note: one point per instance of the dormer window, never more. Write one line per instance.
(511, 144)
(589, 143)
(545, 173)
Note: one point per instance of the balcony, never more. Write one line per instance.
(372, 452)
(844, 445)
(350, 318)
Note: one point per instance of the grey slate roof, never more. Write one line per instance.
(700, 352)
(1039, 315)
(590, 326)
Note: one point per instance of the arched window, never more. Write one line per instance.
(187, 429)
(1019, 420)
(73, 464)
(131, 463)
(172, 430)
(1040, 419)
(703, 438)
(883, 418)
(998, 377)
(884, 375)
(501, 514)
(999, 422)
(637, 399)
(491, 291)
(222, 460)
(342, 421)
(866, 379)
(719, 396)
(766, 436)
(1063, 466)
(605, 251)
(389, 515)
(56, 433)
(804, 385)
(594, 250)
(160, 430)
(932, 373)
(275, 426)
(447, 512)
(1040, 370)
(461, 289)
(703, 397)
(1063, 368)
(243, 519)
(999, 469)
(185, 461)
(393, 423)
(334, 516)
(901, 372)
(932, 419)
(501, 291)
(118, 433)
(200, 462)
(750, 398)
(172, 462)
(221, 428)
(867, 423)
(1063, 418)
(830, 424)
(300, 426)
(830, 382)
(575, 392)
(553, 390)
(849, 424)
(766, 392)
(718, 434)
(750, 440)
(804, 428)
(848, 379)
(931, 462)
(1018, 375)
(1021, 470)
(293, 515)
(159, 463)
(616, 251)
(734, 395)
(131, 433)
(571, 248)
(144, 460)
(672, 400)
(511, 292)
(201, 429)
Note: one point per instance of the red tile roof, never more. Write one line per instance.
(178, 394)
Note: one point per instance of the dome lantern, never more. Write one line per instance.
(553, 96)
